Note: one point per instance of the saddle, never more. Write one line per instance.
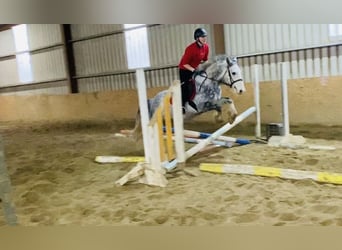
(192, 88)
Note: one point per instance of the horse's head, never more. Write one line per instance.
(230, 73)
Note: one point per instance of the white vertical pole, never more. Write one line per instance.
(178, 122)
(285, 104)
(154, 148)
(141, 86)
(257, 101)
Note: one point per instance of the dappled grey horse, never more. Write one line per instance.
(206, 91)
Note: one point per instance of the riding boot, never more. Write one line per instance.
(193, 105)
(185, 95)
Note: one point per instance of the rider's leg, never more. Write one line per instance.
(185, 77)
(185, 92)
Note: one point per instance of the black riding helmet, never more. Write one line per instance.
(200, 32)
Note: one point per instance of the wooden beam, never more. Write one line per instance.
(70, 58)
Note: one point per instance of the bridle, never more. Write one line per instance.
(230, 84)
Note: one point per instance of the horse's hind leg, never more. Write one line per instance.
(136, 132)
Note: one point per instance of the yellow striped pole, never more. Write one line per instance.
(168, 127)
(324, 177)
(160, 133)
(115, 159)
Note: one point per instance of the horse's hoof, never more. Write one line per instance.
(219, 120)
(126, 132)
(233, 118)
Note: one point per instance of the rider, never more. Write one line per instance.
(195, 53)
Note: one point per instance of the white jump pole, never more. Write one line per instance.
(285, 104)
(141, 86)
(219, 132)
(257, 101)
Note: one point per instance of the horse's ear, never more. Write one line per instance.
(231, 60)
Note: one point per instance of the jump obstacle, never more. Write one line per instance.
(156, 137)
(166, 152)
(159, 151)
(203, 135)
(285, 140)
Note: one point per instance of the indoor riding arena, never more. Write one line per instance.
(66, 91)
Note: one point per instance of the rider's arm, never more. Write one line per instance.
(189, 67)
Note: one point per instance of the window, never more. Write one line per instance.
(137, 50)
(24, 57)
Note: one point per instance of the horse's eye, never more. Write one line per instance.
(233, 73)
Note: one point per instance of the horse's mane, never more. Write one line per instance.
(216, 59)
(205, 66)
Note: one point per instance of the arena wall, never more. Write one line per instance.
(311, 101)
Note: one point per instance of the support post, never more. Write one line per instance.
(286, 123)
(257, 101)
(141, 86)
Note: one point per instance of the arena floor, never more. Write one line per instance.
(55, 180)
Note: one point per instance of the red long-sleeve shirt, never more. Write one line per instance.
(194, 55)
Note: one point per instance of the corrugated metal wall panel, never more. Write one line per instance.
(48, 65)
(112, 82)
(318, 62)
(87, 30)
(7, 45)
(100, 55)
(161, 77)
(57, 88)
(339, 59)
(108, 54)
(249, 39)
(270, 44)
(154, 78)
(168, 42)
(8, 73)
(43, 35)
(47, 91)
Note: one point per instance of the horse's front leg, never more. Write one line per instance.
(232, 112)
(218, 114)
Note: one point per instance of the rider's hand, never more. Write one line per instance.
(197, 72)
